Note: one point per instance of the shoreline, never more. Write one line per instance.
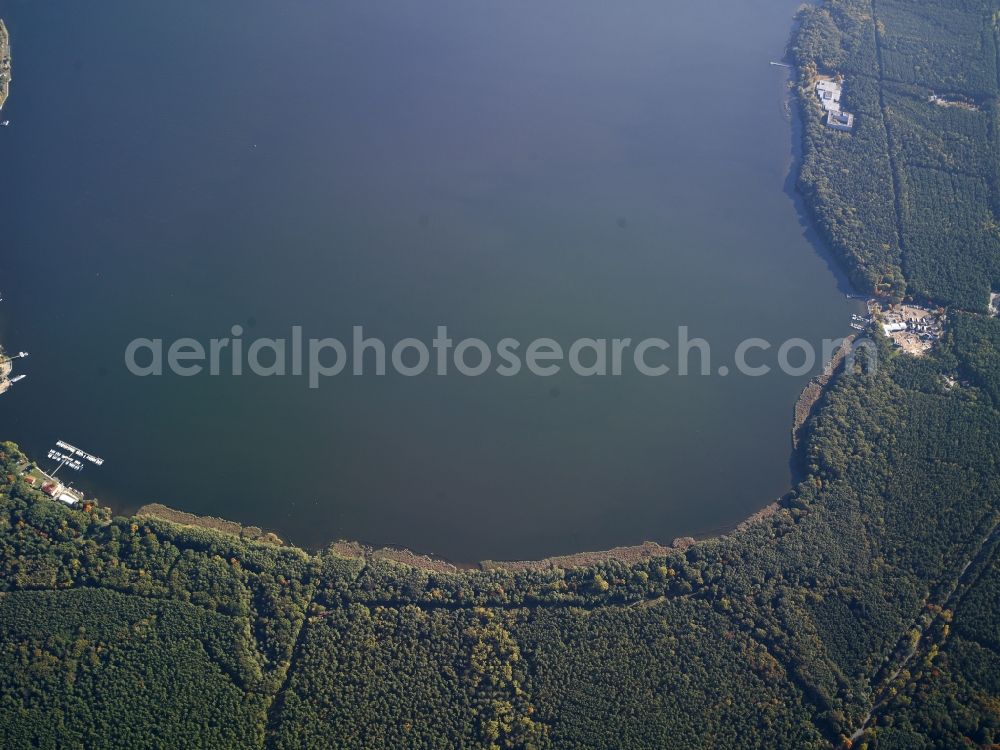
(5, 63)
(811, 394)
(6, 367)
(349, 549)
(215, 523)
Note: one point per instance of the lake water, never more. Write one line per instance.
(562, 169)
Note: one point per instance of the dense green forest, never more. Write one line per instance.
(910, 199)
(862, 613)
(780, 635)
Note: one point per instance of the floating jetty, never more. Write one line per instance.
(68, 455)
(64, 460)
(73, 450)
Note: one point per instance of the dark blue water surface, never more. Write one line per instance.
(564, 169)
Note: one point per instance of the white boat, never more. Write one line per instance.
(17, 378)
(5, 123)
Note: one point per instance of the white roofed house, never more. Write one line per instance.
(829, 92)
(840, 120)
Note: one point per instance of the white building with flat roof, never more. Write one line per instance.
(829, 92)
(840, 120)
